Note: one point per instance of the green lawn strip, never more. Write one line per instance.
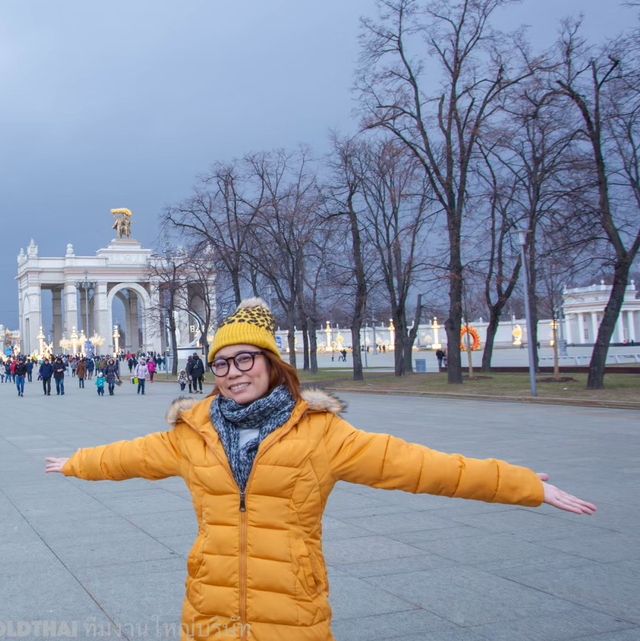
(620, 388)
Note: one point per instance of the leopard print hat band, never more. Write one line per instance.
(251, 324)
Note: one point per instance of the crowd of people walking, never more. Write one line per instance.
(106, 372)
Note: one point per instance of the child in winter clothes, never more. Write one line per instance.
(141, 372)
(100, 381)
(183, 379)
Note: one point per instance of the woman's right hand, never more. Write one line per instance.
(54, 464)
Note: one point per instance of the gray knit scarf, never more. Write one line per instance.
(266, 414)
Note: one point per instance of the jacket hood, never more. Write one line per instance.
(317, 400)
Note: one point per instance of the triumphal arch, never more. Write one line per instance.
(102, 303)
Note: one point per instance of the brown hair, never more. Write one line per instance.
(280, 373)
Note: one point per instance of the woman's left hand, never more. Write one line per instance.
(563, 500)
(54, 464)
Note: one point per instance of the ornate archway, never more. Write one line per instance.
(136, 302)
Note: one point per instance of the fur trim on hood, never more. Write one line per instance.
(318, 401)
(179, 405)
(321, 401)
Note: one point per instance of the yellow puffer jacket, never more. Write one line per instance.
(256, 571)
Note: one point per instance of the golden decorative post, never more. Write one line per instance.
(327, 331)
(556, 358)
(436, 339)
(116, 340)
(40, 338)
(74, 341)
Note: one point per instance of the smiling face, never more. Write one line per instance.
(243, 387)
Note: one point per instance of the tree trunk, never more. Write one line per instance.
(358, 374)
(533, 301)
(305, 341)
(598, 362)
(235, 283)
(361, 291)
(174, 342)
(399, 342)
(453, 324)
(313, 346)
(492, 328)
(291, 339)
(411, 337)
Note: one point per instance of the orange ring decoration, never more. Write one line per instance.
(475, 336)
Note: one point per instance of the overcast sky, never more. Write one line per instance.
(123, 104)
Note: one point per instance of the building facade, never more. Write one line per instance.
(79, 296)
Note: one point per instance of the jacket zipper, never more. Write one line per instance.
(243, 518)
(243, 564)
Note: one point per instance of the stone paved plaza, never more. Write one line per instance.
(84, 560)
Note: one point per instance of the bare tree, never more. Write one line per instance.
(220, 213)
(397, 207)
(199, 299)
(528, 162)
(167, 271)
(604, 89)
(342, 199)
(283, 229)
(439, 118)
(500, 271)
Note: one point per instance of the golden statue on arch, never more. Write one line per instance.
(122, 224)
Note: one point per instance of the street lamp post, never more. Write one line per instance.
(85, 285)
(522, 240)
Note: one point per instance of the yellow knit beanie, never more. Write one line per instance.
(251, 324)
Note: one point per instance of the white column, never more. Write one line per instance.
(56, 304)
(152, 337)
(620, 329)
(567, 328)
(102, 316)
(594, 326)
(581, 328)
(34, 318)
(21, 323)
(132, 339)
(631, 325)
(70, 308)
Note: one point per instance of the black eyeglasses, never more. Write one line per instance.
(242, 360)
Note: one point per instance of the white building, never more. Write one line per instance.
(84, 291)
(583, 309)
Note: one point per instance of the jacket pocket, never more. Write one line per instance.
(305, 569)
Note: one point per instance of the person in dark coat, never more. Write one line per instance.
(196, 373)
(44, 374)
(112, 375)
(59, 368)
(21, 373)
(91, 365)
